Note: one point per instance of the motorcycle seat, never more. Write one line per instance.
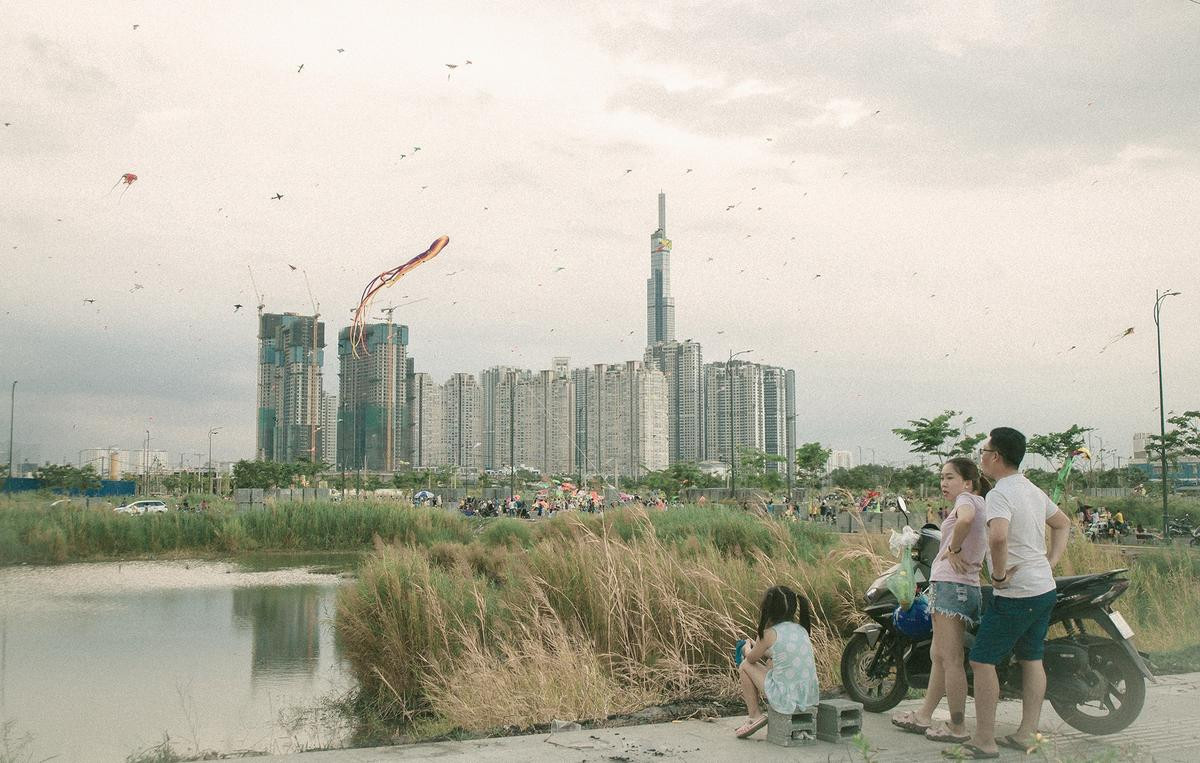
(1068, 581)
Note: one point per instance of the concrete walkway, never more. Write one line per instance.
(1167, 730)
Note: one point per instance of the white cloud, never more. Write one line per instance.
(842, 112)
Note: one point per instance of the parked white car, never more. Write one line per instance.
(142, 507)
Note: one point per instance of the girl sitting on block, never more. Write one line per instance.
(788, 680)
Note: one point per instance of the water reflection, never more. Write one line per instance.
(100, 660)
(284, 628)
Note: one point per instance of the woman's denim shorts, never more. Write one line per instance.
(955, 600)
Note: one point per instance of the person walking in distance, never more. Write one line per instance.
(1022, 578)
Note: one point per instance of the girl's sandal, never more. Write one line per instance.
(751, 726)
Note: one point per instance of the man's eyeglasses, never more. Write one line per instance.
(986, 450)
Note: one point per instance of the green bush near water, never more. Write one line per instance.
(37, 534)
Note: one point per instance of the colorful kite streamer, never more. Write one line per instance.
(358, 330)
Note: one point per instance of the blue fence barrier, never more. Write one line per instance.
(107, 487)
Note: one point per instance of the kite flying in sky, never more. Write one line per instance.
(358, 330)
(1117, 338)
(127, 179)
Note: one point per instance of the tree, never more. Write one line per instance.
(260, 474)
(1182, 440)
(915, 476)
(1056, 446)
(68, 478)
(863, 477)
(811, 459)
(307, 469)
(678, 477)
(939, 437)
(753, 469)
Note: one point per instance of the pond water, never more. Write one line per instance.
(100, 661)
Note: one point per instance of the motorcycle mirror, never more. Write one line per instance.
(900, 502)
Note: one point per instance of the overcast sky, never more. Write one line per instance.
(939, 205)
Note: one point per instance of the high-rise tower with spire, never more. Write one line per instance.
(660, 305)
(681, 362)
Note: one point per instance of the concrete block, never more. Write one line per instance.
(838, 720)
(846, 523)
(790, 730)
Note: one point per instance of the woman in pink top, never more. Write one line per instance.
(954, 601)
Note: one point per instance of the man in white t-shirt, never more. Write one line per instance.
(1024, 593)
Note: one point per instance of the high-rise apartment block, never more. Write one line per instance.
(427, 421)
(462, 404)
(290, 356)
(621, 419)
(733, 398)
(779, 416)
(532, 422)
(758, 402)
(682, 363)
(495, 441)
(329, 421)
(373, 412)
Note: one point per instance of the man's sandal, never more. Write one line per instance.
(911, 725)
(969, 752)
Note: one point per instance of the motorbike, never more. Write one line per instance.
(1182, 527)
(1105, 529)
(1095, 677)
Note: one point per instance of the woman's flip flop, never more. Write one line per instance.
(749, 727)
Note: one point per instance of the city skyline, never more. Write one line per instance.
(888, 213)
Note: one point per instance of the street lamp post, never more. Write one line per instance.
(12, 408)
(212, 475)
(1162, 408)
(729, 392)
(512, 436)
(791, 454)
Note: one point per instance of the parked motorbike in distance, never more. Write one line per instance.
(1182, 527)
(1105, 530)
(1095, 678)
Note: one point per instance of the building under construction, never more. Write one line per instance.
(373, 418)
(290, 357)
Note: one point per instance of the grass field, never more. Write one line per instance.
(33, 532)
(583, 617)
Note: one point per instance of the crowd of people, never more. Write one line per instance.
(548, 505)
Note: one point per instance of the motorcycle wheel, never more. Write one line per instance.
(1124, 695)
(876, 694)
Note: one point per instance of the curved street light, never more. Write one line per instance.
(12, 413)
(212, 474)
(1159, 296)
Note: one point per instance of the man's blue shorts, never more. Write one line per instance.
(1013, 625)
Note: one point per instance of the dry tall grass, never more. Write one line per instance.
(591, 619)
(585, 617)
